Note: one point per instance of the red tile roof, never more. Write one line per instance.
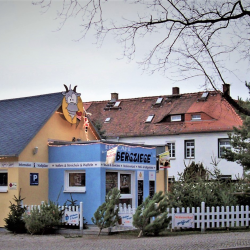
(128, 119)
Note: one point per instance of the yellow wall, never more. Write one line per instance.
(56, 128)
(5, 198)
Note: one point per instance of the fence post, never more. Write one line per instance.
(81, 216)
(203, 217)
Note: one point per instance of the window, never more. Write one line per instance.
(107, 119)
(189, 149)
(150, 118)
(117, 104)
(159, 100)
(223, 144)
(175, 118)
(196, 117)
(74, 181)
(171, 149)
(3, 181)
(122, 181)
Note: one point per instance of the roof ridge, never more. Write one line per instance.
(156, 96)
(26, 97)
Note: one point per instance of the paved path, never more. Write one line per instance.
(9, 241)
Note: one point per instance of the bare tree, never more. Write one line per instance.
(195, 37)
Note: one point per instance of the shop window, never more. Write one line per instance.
(75, 181)
(223, 144)
(189, 149)
(124, 182)
(3, 181)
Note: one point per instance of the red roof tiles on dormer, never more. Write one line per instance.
(130, 119)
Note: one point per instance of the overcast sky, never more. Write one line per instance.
(34, 60)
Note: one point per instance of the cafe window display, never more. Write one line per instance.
(124, 182)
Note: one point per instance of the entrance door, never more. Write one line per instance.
(124, 181)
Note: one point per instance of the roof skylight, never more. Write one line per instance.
(150, 118)
(117, 104)
(159, 100)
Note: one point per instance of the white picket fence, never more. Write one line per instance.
(72, 215)
(203, 217)
(215, 217)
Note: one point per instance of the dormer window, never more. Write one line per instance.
(196, 117)
(159, 100)
(150, 118)
(175, 118)
(107, 119)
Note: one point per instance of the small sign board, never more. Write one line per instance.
(127, 219)
(184, 220)
(12, 186)
(34, 179)
(71, 218)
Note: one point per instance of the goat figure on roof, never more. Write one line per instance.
(71, 97)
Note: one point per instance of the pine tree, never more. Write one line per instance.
(152, 208)
(106, 215)
(14, 221)
(240, 139)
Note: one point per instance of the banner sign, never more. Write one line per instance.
(183, 220)
(164, 160)
(111, 155)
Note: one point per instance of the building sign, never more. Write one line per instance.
(72, 106)
(164, 160)
(183, 220)
(34, 179)
(12, 186)
(140, 175)
(111, 154)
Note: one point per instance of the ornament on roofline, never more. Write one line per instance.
(72, 106)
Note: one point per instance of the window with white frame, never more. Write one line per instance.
(3, 180)
(123, 180)
(223, 144)
(74, 181)
(189, 149)
(150, 118)
(171, 149)
(175, 118)
(196, 117)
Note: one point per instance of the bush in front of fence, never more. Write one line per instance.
(44, 219)
(190, 192)
(151, 217)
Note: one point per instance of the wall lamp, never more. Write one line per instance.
(35, 150)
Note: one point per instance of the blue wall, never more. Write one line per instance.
(92, 157)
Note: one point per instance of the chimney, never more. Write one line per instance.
(226, 89)
(175, 91)
(114, 97)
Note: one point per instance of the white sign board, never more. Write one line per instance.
(183, 220)
(127, 219)
(71, 218)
